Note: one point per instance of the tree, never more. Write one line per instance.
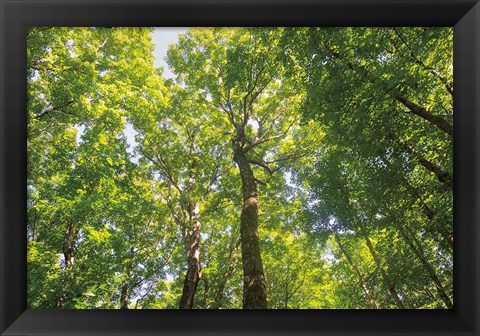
(79, 185)
(187, 162)
(239, 79)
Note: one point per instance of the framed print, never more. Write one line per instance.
(280, 167)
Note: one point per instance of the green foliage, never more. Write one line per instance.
(347, 137)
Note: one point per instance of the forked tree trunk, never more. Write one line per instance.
(254, 285)
(193, 269)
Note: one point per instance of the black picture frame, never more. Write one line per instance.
(16, 16)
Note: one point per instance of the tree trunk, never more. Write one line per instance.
(418, 250)
(232, 261)
(193, 269)
(254, 285)
(416, 109)
(423, 113)
(437, 225)
(206, 290)
(441, 175)
(363, 282)
(69, 239)
(124, 297)
(386, 278)
(411, 55)
(126, 288)
(287, 297)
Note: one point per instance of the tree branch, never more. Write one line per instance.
(414, 58)
(55, 109)
(279, 136)
(261, 164)
(260, 182)
(163, 166)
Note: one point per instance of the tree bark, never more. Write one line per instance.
(254, 285)
(68, 244)
(126, 288)
(437, 226)
(193, 269)
(363, 283)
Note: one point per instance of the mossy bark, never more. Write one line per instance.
(254, 286)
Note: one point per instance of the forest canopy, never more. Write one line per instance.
(282, 168)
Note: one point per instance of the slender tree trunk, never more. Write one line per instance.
(414, 59)
(423, 113)
(416, 109)
(442, 176)
(254, 285)
(436, 73)
(285, 301)
(126, 288)
(193, 269)
(386, 278)
(69, 238)
(124, 296)
(68, 244)
(418, 251)
(437, 225)
(447, 236)
(232, 260)
(206, 290)
(363, 283)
